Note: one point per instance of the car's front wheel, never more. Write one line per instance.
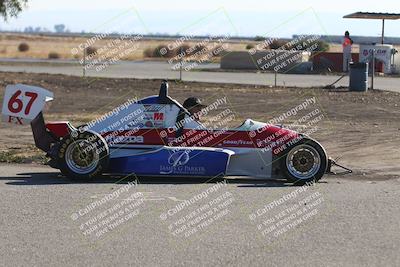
(305, 161)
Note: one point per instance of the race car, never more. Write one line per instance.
(157, 136)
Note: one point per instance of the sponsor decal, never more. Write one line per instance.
(134, 139)
(158, 116)
(179, 164)
(148, 116)
(179, 158)
(159, 124)
(154, 120)
(149, 124)
(237, 142)
(153, 108)
(125, 139)
(135, 125)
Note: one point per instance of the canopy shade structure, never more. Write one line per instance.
(372, 15)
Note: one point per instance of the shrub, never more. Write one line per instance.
(184, 48)
(91, 51)
(163, 51)
(276, 44)
(249, 46)
(259, 38)
(197, 49)
(159, 51)
(190, 51)
(322, 46)
(54, 55)
(148, 52)
(23, 47)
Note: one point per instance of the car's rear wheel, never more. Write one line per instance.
(84, 156)
(305, 161)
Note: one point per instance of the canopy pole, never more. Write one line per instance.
(383, 31)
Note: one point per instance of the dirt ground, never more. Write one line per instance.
(363, 129)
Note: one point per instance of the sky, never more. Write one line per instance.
(240, 18)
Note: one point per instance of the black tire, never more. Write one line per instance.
(304, 161)
(83, 156)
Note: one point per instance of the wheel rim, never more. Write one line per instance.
(303, 162)
(81, 157)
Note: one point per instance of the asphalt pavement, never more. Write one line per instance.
(46, 220)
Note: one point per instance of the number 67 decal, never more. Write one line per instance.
(22, 103)
(14, 100)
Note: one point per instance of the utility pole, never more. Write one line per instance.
(180, 64)
(84, 62)
(373, 69)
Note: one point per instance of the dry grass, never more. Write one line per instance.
(40, 46)
(29, 154)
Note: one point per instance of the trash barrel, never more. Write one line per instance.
(358, 77)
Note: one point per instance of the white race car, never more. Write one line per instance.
(157, 136)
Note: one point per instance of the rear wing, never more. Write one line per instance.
(23, 103)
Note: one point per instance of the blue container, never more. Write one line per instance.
(358, 77)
